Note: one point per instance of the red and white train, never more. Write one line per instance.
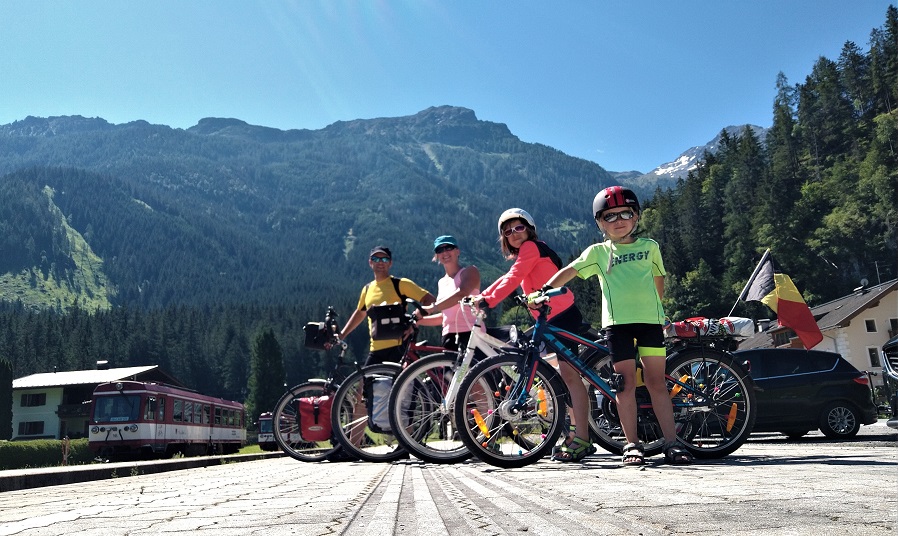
(132, 419)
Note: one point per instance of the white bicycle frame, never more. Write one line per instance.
(479, 340)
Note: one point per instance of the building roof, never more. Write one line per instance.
(840, 312)
(95, 377)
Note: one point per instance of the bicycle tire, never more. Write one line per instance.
(726, 417)
(715, 383)
(351, 419)
(503, 438)
(418, 416)
(285, 423)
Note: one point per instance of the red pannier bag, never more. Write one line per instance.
(315, 418)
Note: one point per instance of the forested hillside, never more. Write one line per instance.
(821, 193)
(228, 212)
(142, 244)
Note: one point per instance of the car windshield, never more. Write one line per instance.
(116, 408)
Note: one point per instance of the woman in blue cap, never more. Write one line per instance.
(459, 281)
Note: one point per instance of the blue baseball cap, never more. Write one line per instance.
(444, 241)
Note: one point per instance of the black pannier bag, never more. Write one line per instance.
(388, 321)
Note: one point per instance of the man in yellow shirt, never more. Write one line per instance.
(384, 290)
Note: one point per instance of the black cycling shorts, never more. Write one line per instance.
(392, 354)
(627, 340)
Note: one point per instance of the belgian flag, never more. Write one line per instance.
(776, 290)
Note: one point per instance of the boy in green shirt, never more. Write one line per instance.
(631, 274)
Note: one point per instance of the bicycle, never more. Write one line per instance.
(521, 420)
(426, 428)
(360, 417)
(286, 417)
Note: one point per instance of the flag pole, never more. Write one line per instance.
(750, 280)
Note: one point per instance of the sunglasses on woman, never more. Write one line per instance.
(611, 217)
(520, 228)
(443, 249)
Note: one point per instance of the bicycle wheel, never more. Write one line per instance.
(421, 417)
(715, 407)
(491, 427)
(360, 414)
(286, 425)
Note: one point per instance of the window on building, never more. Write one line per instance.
(30, 400)
(893, 326)
(782, 338)
(874, 356)
(31, 428)
(871, 325)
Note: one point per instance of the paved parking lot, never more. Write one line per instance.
(770, 486)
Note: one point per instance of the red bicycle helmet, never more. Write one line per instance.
(613, 197)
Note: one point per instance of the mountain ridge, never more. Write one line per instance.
(228, 194)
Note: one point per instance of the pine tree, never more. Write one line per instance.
(266, 380)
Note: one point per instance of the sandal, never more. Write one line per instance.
(567, 440)
(567, 452)
(634, 454)
(676, 454)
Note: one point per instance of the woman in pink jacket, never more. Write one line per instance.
(534, 264)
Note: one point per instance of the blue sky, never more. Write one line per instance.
(626, 84)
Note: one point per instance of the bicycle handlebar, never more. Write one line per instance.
(541, 296)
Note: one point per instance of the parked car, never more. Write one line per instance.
(802, 390)
(890, 378)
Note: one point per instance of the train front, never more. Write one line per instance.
(121, 424)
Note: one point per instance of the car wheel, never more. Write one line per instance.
(839, 420)
(795, 434)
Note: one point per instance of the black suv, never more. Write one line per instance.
(802, 390)
(890, 378)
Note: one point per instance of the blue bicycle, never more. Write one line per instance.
(520, 421)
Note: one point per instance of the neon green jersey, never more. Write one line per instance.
(629, 295)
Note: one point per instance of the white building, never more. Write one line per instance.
(54, 405)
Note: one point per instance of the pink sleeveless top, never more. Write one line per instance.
(455, 319)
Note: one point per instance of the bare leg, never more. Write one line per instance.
(579, 399)
(626, 399)
(653, 375)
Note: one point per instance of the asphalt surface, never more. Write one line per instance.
(771, 485)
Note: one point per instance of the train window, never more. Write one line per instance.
(218, 416)
(177, 411)
(206, 414)
(161, 414)
(188, 411)
(198, 414)
(117, 408)
(149, 413)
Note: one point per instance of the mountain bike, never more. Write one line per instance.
(360, 416)
(519, 422)
(422, 400)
